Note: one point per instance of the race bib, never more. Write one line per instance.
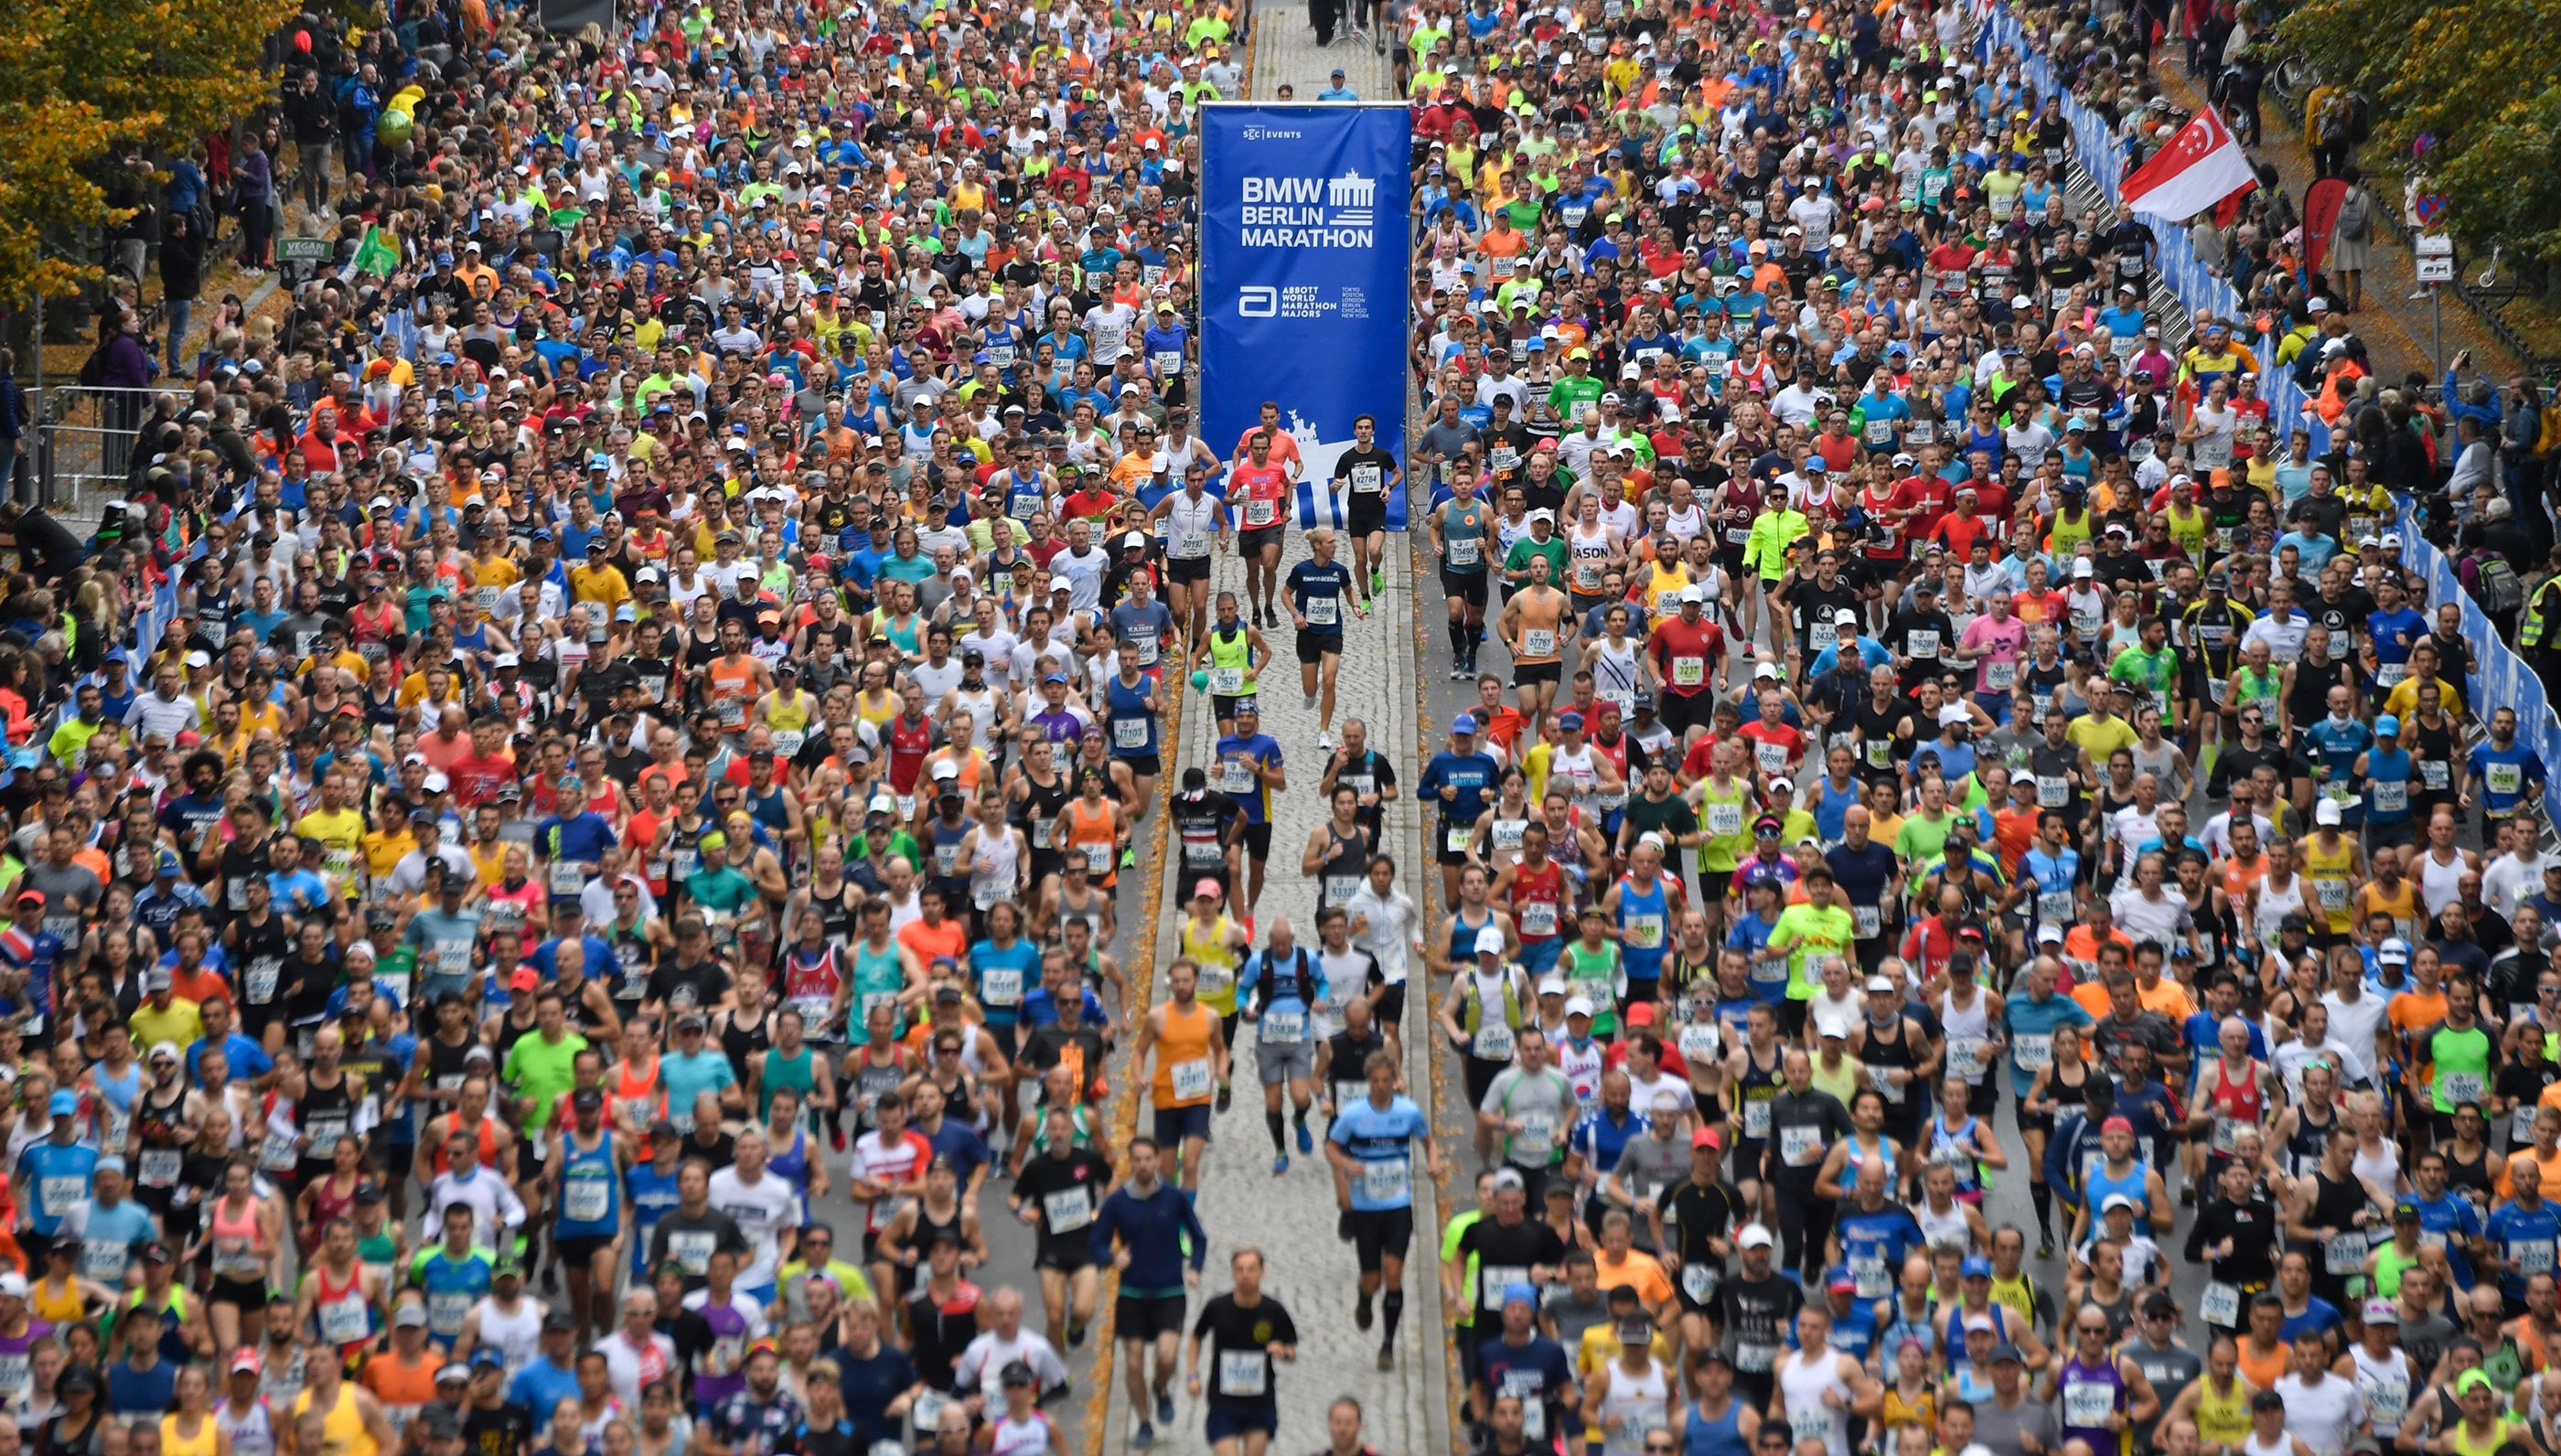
(1067, 1210)
(1387, 1180)
(2088, 1404)
(1494, 1280)
(1492, 1042)
(1799, 1145)
(1964, 1057)
(1283, 1027)
(1689, 672)
(445, 1310)
(1538, 642)
(160, 1167)
(2221, 1306)
(585, 1200)
(1129, 733)
(2033, 1052)
(1536, 1138)
(1191, 1079)
(1002, 986)
(1698, 1281)
(1261, 512)
(345, 1320)
(1324, 611)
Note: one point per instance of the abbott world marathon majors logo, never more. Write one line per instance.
(1307, 214)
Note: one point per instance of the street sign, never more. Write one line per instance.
(305, 250)
(2434, 255)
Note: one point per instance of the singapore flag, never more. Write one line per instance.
(2201, 166)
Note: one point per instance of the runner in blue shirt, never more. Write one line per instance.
(571, 841)
(52, 1175)
(1249, 771)
(2503, 773)
(1320, 591)
(1370, 1145)
(1458, 779)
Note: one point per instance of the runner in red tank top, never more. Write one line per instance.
(1258, 487)
(1533, 887)
(2232, 1097)
(910, 740)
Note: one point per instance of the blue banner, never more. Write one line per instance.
(1305, 248)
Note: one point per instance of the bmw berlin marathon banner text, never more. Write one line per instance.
(1305, 248)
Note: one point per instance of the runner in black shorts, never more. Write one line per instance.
(1463, 532)
(1371, 1146)
(1228, 660)
(1250, 772)
(1163, 1249)
(1365, 474)
(1059, 1192)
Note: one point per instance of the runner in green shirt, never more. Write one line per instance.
(538, 1066)
(1575, 387)
(2152, 668)
(1815, 925)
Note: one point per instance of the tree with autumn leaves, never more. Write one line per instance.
(85, 80)
(2469, 93)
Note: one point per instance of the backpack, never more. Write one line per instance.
(1303, 971)
(2501, 590)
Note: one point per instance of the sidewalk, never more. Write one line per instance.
(2395, 327)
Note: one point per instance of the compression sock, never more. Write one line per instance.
(1459, 639)
(2043, 1194)
(1391, 1309)
(1272, 1120)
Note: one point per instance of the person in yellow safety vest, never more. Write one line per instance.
(2538, 626)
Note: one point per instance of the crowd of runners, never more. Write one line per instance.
(609, 886)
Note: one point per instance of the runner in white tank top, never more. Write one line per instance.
(517, 1336)
(251, 1434)
(2440, 884)
(1939, 1229)
(2386, 1385)
(1588, 557)
(1572, 773)
(2273, 905)
(1804, 1379)
(1641, 1402)
(992, 870)
(1029, 1437)
(1614, 673)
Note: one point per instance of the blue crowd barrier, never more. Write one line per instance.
(2501, 679)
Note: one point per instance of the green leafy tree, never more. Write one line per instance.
(82, 79)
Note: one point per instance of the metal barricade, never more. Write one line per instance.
(85, 438)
